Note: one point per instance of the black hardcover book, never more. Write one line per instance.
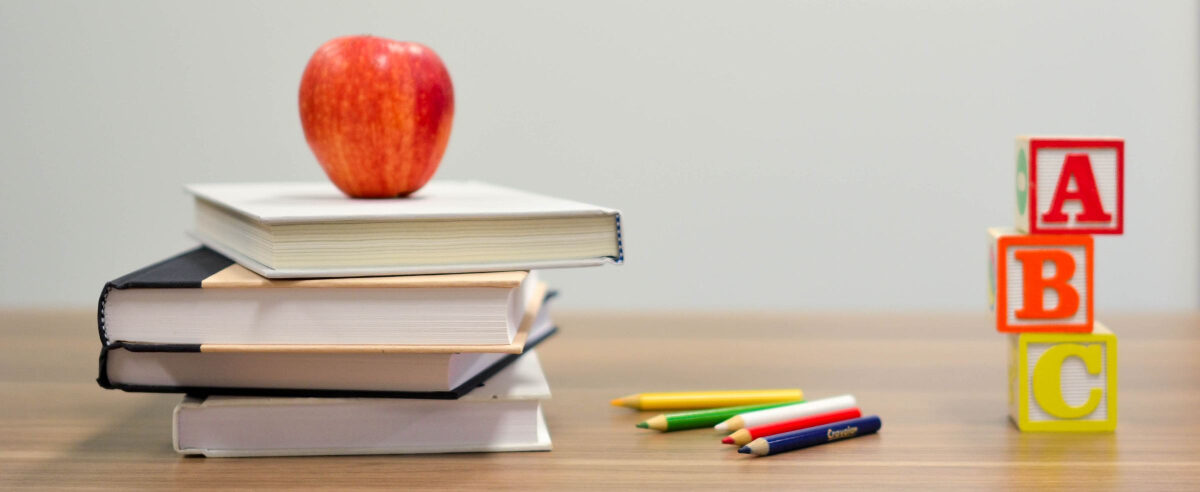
(176, 298)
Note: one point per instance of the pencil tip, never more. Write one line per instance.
(727, 440)
(721, 426)
(744, 450)
(643, 425)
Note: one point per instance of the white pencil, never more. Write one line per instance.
(787, 412)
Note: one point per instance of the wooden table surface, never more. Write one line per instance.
(937, 381)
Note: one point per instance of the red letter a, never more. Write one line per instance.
(1077, 166)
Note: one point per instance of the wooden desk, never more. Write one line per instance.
(937, 381)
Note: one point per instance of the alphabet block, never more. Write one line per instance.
(1070, 185)
(1040, 283)
(1063, 382)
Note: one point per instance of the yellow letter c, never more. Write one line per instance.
(1047, 379)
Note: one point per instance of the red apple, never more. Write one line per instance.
(377, 114)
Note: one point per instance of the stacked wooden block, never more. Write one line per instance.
(1062, 364)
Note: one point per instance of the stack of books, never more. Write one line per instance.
(314, 324)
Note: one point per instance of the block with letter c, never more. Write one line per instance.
(1040, 283)
(1063, 382)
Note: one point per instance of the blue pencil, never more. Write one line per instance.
(812, 436)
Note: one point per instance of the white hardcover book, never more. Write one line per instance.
(291, 230)
(502, 415)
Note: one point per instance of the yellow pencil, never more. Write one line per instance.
(686, 400)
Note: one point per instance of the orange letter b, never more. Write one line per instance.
(1032, 265)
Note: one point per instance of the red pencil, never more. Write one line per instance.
(743, 436)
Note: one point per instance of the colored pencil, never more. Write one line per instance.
(689, 400)
(743, 436)
(813, 436)
(668, 422)
(789, 412)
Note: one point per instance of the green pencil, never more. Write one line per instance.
(668, 422)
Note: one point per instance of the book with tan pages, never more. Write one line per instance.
(302, 230)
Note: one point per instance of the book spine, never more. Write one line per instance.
(620, 241)
(102, 377)
(100, 313)
(184, 271)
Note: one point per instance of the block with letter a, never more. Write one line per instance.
(1063, 382)
(1070, 185)
(1040, 283)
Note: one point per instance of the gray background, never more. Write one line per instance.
(818, 155)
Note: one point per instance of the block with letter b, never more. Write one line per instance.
(1070, 185)
(1063, 382)
(1040, 283)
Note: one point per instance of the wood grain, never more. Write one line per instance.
(938, 382)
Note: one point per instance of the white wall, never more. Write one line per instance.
(818, 155)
